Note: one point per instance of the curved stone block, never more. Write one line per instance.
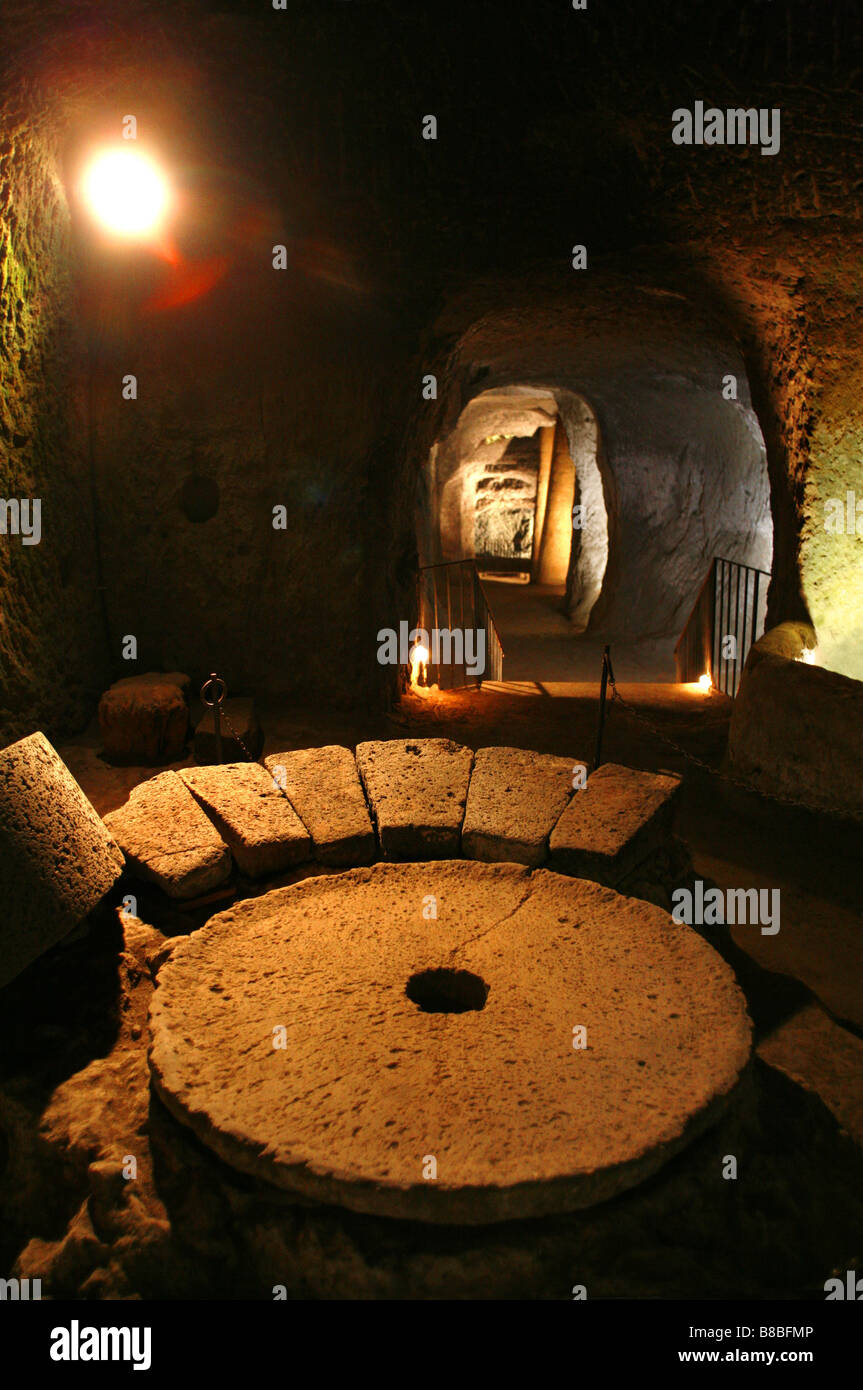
(57, 860)
(417, 789)
(324, 789)
(515, 800)
(168, 838)
(255, 819)
(613, 824)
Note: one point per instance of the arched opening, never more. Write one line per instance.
(516, 487)
(597, 477)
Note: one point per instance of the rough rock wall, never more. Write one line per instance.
(778, 241)
(795, 731)
(227, 399)
(52, 640)
(257, 388)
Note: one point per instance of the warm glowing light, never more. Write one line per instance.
(808, 655)
(126, 192)
(419, 658)
(705, 683)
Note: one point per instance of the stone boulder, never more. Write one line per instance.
(797, 729)
(57, 859)
(241, 735)
(417, 789)
(168, 838)
(144, 719)
(256, 820)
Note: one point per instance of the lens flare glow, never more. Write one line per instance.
(126, 192)
(419, 658)
(705, 683)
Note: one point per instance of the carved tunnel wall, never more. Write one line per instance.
(679, 471)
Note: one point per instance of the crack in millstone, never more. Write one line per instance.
(478, 936)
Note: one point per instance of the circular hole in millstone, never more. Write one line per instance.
(447, 991)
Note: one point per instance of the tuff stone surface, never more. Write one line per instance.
(515, 799)
(618, 820)
(325, 790)
(256, 821)
(57, 859)
(168, 838)
(53, 647)
(246, 740)
(795, 729)
(206, 1231)
(144, 719)
(828, 1060)
(368, 1085)
(417, 789)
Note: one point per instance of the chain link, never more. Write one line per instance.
(258, 761)
(223, 714)
(741, 783)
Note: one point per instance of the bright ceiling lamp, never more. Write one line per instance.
(126, 192)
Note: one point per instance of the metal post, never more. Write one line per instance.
(735, 677)
(215, 705)
(603, 687)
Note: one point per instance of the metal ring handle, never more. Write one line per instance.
(213, 679)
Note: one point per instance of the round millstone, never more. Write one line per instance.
(406, 1039)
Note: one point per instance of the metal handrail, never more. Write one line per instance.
(476, 613)
(717, 607)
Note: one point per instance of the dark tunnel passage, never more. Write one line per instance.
(595, 499)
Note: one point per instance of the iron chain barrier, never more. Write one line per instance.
(741, 783)
(607, 680)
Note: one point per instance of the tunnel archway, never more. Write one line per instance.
(643, 395)
(517, 487)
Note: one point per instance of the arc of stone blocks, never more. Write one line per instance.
(398, 799)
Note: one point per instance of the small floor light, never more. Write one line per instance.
(705, 683)
(126, 192)
(419, 658)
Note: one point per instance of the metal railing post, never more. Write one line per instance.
(603, 690)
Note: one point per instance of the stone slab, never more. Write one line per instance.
(515, 800)
(825, 1058)
(290, 1036)
(244, 744)
(616, 822)
(168, 839)
(417, 790)
(325, 790)
(144, 719)
(255, 819)
(57, 859)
